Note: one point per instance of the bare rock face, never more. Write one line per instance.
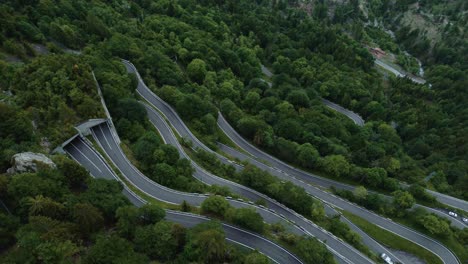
(29, 162)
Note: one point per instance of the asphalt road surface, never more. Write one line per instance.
(169, 137)
(99, 169)
(280, 169)
(357, 119)
(338, 247)
(172, 117)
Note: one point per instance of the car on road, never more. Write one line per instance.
(465, 220)
(453, 214)
(386, 258)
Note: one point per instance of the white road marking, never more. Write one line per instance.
(100, 128)
(86, 157)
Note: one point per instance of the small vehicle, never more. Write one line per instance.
(386, 258)
(453, 214)
(464, 219)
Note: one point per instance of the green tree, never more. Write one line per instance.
(256, 258)
(3, 186)
(374, 176)
(289, 129)
(251, 100)
(462, 236)
(255, 178)
(75, 174)
(185, 206)
(30, 184)
(113, 249)
(127, 217)
(192, 106)
(171, 154)
(336, 165)
(88, 218)
(307, 155)
(165, 174)
(206, 243)
(420, 192)
(53, 251)
(247, 218)
(196, 70)
(157, 241)
(106, 195)
(130, 109)
(299, 99)
(151, 213)
(317, 211)
(360, 192)
(8, 226)
(145, 147)
(249, 126)
(403, 200)
(40, 205)
(129, 130)
(14, 124)
(312, 251)
(342, 230)
(209, 124)
(96, 26)
(435, 225)
(216, 205)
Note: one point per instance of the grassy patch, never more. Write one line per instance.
(129, 153)
(393, 241)
(224, 139)
(450, 241)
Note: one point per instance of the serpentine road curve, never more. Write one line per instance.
(358, 120)
(276, 212)
(446, 255)
(337, 246)
(98, 168)
(280, 169)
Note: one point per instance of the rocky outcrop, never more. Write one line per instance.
(29, 162)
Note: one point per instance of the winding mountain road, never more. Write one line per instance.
(281, 169)
(357, 119)
(169, 137)
(276, 212)
(407, 233)
(342, 250)
(98, 168)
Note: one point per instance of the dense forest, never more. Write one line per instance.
(65, 216)
(198, 57)
(205, 56)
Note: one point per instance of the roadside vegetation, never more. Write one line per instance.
(400, 210)
(64, 215)
(201, 56)
(309, 249)
(195, 69)
(393, 241)
(284, 192)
